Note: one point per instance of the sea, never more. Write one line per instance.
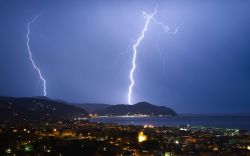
(216, 121)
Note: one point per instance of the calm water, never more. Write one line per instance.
(241, 122)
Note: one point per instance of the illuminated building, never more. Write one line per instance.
(148, 126)
(56, 132)
(8, 151)
(169, 154)
(142, 137)
(68, 133)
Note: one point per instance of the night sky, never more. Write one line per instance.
(84, 50)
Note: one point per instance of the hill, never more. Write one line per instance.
(36, 109)
(92, 107)
(138, 108)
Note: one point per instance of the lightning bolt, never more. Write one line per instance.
(30, 55)
(149, 18)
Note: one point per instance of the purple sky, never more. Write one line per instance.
(84, 50)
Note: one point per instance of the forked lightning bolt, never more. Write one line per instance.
(31, 58)
(149, 18)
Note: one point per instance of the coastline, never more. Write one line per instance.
(229, 122)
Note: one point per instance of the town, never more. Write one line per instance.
(81, 137)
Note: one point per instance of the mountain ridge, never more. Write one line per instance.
(46, 108)
(37, 109)
(144, 108)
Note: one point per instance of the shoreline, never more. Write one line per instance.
(227, 122)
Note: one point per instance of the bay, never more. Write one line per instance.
(218, 121)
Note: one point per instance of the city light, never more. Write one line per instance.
(8, 151)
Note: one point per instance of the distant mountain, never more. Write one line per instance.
(45, 109)
(92, 107)
(37, 109)
(138, 108)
